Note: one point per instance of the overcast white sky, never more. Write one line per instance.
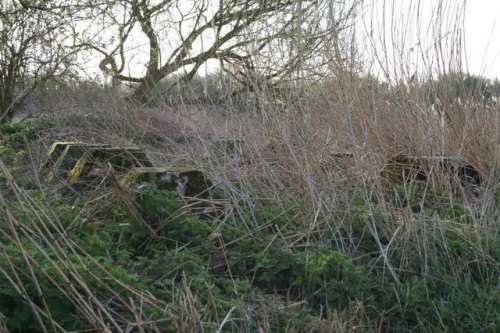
(406, 37)
(482, 37)
(482, 32)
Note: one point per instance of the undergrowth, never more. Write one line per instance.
(410, 260)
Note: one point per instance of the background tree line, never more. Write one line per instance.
(141, 42)
(462, 88)
(153, 46)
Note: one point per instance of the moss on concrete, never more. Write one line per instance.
(74, 161)
(185, 180)
(402, 168)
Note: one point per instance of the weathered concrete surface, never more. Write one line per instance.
(74, 161)
(62, 157)
(403, 168)
(185, 180)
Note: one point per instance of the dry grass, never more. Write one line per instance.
(321, 153)
(290, 158)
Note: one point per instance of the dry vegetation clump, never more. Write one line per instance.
(335, 141)
(311, 238)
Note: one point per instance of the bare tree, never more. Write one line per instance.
(34, 47)
(269, 38)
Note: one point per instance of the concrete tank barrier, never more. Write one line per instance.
(77, 163)
(73, 162)
(403, 168)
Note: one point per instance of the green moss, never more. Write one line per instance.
(185, 180)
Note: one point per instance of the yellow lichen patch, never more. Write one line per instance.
(58, 148)
(74, 161)
(120, 159)
(77, 170)
(64, 159)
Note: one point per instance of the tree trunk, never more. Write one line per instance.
(7, 110)
(141, 93)
(143, 90)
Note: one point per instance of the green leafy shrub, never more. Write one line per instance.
(267, 265)
(13, 137)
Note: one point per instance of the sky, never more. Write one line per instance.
(404, 38)
(481, 33)
(482, 37)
